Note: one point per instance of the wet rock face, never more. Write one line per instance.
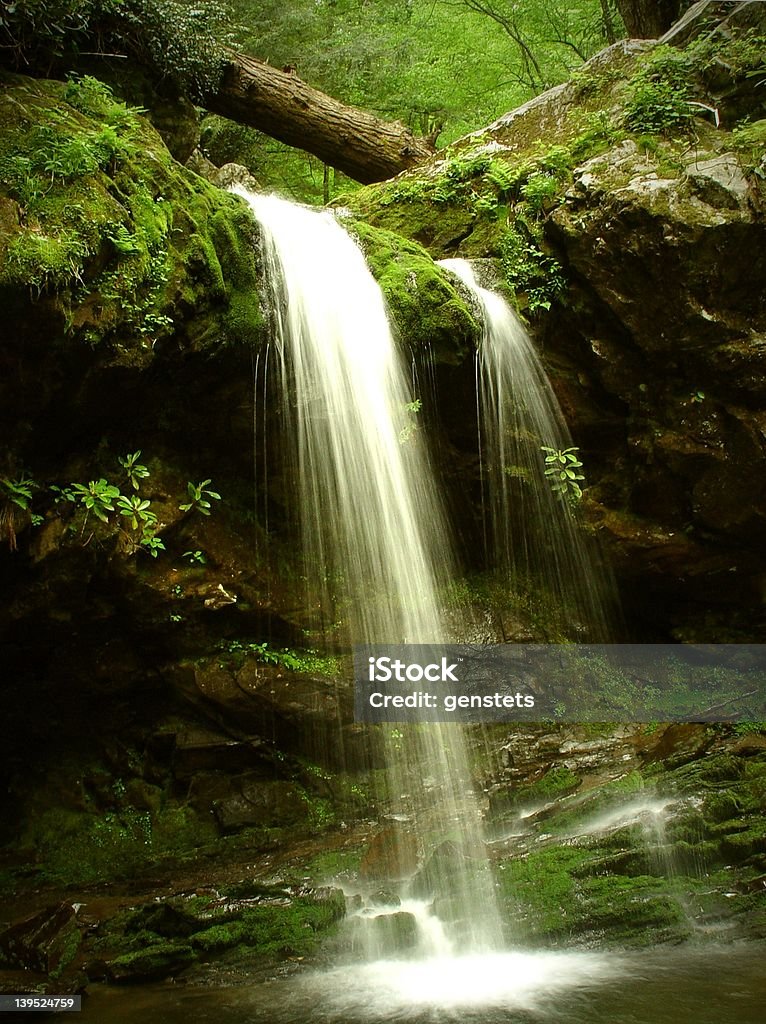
(643, 279)
(45, 942)
(666, 319)
(662, 837)
(393, 854)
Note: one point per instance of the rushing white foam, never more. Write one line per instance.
(507, 981)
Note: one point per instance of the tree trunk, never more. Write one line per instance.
(281, 105)
(608, 22)
(648, 19)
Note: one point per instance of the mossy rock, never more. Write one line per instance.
(103, 233)
(428, 311)
(161, 960)
(565, 891)
(292, 928)
(557, 782)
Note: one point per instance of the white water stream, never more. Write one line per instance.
(535, 533)
(372, 522)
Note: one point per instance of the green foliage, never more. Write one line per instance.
(561, 469)
(540, 191)
(530, 270)
(121, 248)
(180, 40)
(97, 497)
(101, 497)
(662, 95)
(308, 661)
(136, 510)
(657, 107)
(750, 140)
(134, 471)
(94, 98)
(409, 430)
(18, 492)
(37, 30)
(408, 61)
(198, 498)
(195, 557)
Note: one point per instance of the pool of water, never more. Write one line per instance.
(682, 985)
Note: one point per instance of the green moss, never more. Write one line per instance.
(633, 910)
(426, 308)
(98, 214)
(75, 846)
(557, 782)
(155, 961)
(334, 863)
(293, 930)
(67, 950)
(564, 891)
(168, 935)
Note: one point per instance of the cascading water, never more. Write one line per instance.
(535, 533)
(369, 511)
(372, 521)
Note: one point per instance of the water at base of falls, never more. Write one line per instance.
(679, 985)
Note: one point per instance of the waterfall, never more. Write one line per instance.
(372, 526)
(371, 520)
(536, 536)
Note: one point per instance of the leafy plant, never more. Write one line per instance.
(294, 660)
(98, 497)
(198, 498)
(17, 492)
(63, 494)
(660, 92)
(408, 431)
(540, 191)
(750, 140)
(134, 471)
(562, 470)
(137, 510)
(70, 158)
(195, 557)
(530, 270)
(505, 177)
(151, 543)
(182, 40)
(656, 107)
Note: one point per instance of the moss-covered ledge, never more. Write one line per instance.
(105, 239)
(427, 309)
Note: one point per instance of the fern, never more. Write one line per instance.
(505, 178)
